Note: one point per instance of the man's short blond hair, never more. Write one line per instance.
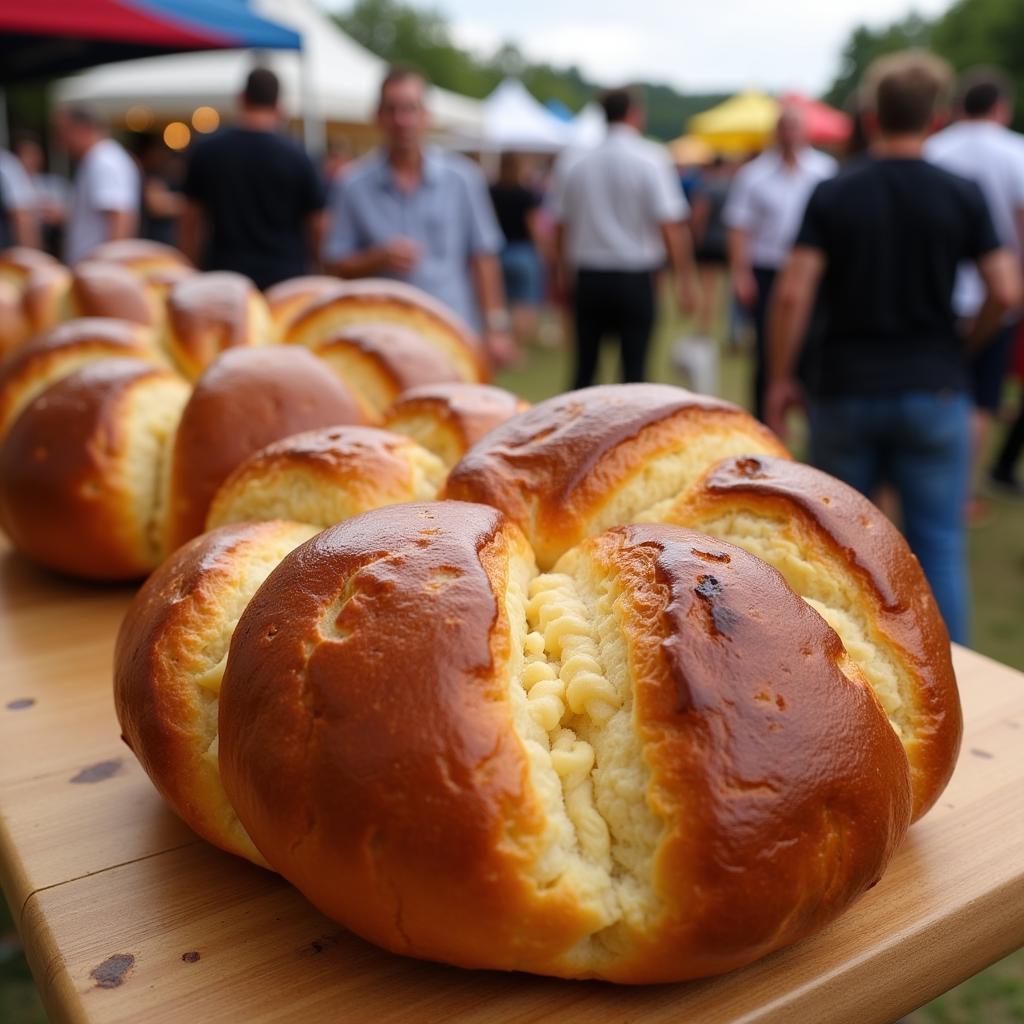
(904, 90)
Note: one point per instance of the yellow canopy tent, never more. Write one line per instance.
(742, 123)
(689, 151)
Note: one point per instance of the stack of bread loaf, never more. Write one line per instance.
(639, 699)
(117, 427)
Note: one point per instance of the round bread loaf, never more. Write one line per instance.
(108, 289)
(33, 286)
(381, 361)
(290, 299)
(380, 301)
(847, 560)
(622, 769)
(43, 361)
(207, 314)
(81, 469)
(324, 476)
(144, 258)
(247, 399)
(169, 660)
(576, 464)
(448, 419)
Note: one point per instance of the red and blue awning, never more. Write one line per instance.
(43, 38)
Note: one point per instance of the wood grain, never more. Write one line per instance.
(126, 916)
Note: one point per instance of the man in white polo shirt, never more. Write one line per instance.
(620, 213)
(763, 214)
(105, 192)
(980, 147)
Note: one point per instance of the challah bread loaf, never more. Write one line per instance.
(146, 259)
(44, 360)
(626, 768)
(576, 464)
(207, 314)
(81, 469)
(247, 399)
(289, 299)
(448, 419)
(845, 558)
(32, 290)
(324, 476)
(108, 289)
(382, 361)
(379, 301)
(169, 661)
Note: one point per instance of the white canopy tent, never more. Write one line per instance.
(515, 121)
(333, 79)
(588, 126)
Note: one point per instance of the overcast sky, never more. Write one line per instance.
(697, 45)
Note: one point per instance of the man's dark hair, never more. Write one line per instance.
(398, 73)
(262, 89)
(904, 90)
(981, 89)
(617, 103)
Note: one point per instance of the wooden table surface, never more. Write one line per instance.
(127, 916)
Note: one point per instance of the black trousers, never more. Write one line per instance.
(618, 303)
(765, 277)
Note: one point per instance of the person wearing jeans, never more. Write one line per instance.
(889, 394)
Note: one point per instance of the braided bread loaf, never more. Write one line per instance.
(653, 758)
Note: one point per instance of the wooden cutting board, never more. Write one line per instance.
(127, 916)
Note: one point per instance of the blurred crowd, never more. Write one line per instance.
(880, 284)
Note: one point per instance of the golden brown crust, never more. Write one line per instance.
(166, 663)
(18, 262)
(55, 354)
(320, 737)
(208, 314)
(46, 295)
(327, 475)
(141, 256)
(289, 299)
(247, 399)
(838, 524)
(378, 767)
(561, 470)
(107, 289)
(382, 360)
(33, 288)
(461, 413)
(783, 789)
(380, 301)
(73, 494)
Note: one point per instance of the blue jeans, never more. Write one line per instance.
(920, 443)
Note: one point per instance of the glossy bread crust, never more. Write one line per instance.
(586, 460)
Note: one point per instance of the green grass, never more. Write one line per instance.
(995, 996)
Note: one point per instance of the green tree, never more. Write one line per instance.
(866, 44)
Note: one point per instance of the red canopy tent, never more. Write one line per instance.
(824, 124)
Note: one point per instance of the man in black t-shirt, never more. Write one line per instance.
(888, 383)
(254, 197)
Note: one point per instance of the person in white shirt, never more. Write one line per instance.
(18, 223)
(763, 214)
(619, 212)
(106, 189)
(982, 148)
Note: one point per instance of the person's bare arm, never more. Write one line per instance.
(743, 282)
(534, 225)
(490, 293)
(191, 231)
(160, 200)
(25, 228)
(788, 317)
(316, 227)
(120, 224)
(1000, 273)
(676, 236)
